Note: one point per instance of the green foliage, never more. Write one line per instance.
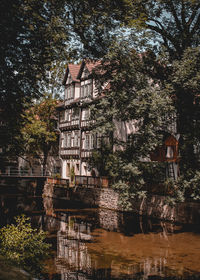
(39, 131)
(151, 87)
(32, 35)
(187, 187)
(23, 245)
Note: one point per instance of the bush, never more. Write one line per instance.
(24, 246)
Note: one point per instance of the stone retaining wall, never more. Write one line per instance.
(152, 206)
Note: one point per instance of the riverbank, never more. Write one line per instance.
(154, 206)
(8, 272)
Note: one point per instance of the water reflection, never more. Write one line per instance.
(102, 244)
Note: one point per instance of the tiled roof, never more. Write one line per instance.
(74, 70)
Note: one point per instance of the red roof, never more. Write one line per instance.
(73, 70)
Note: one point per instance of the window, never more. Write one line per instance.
(69, 92)
(75, 113)
(77, 167)
(86, 90)
(85, 114)
(67, 115)
(76, 140)
(67, 140)
(62, 140)
(91, 141)
(68, 169)
(87, 142)
(89, 89)
(62, 116)
(82, 91)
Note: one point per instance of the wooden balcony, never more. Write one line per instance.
(70, 152)
(87, 123)
(89, 181)
(86, 153)
(69, 124)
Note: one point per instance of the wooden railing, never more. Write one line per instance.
(70, 151)
(69, 123)
(90, 181)
(57, 181)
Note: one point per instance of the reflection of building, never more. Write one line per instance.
(97, 254)
(72, 249)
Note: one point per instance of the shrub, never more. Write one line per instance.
(24, 246)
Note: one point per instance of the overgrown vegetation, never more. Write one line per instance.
(150, 52)
(24, 246)
(153, 75)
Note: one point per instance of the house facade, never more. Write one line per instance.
(76, 138)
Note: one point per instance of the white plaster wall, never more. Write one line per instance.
(63, 173)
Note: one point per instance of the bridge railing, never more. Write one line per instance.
(23, 172)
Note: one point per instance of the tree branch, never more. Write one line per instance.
(196, 26)
(183, 13)
(190, 20)
(173, 11)
(165, 35)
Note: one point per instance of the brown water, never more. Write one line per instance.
(103, 244)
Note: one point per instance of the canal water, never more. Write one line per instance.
(98, 244)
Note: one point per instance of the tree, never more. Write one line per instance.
(32, 38)
(165, 35)
(131, 97)
(166, 31)
(39, 131)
